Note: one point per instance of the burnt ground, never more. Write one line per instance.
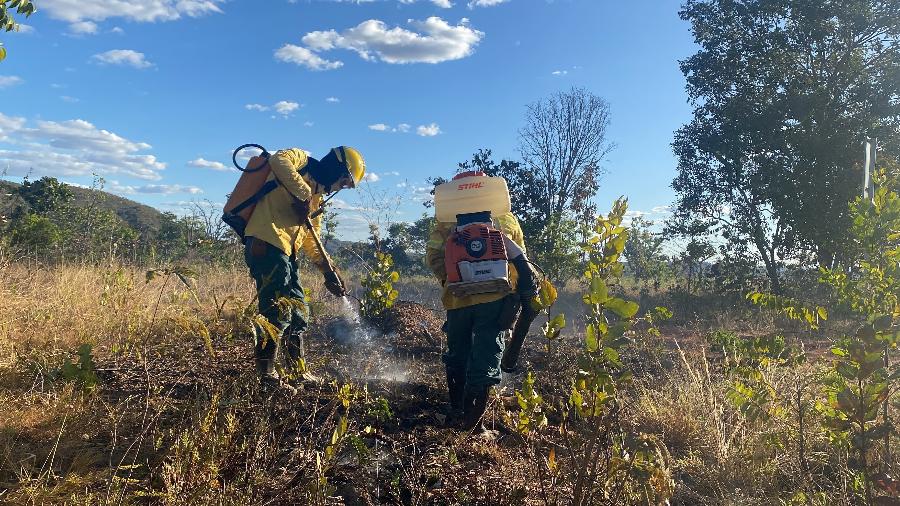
(195, 426)
(174, 421)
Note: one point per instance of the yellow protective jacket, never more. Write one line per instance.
(508, 224)
(275, 221)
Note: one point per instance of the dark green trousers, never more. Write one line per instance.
(277, 275)
(475, 343)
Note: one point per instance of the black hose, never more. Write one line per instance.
(265, 154)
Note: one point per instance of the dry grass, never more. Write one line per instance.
(176, 418)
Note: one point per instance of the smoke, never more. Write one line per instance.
(369, 357)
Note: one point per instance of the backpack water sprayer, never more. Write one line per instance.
(253, 185)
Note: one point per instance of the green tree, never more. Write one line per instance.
(46, 196)
(784, 93)
(329, 225)
(35, 233)
(692, 259)
(7, 20)
(864, 380)
(646, 262)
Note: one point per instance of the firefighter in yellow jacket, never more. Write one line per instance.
(275, 234)
(475, 325)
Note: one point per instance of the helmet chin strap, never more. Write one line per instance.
(321, 208)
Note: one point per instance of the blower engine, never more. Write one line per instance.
(476, 257)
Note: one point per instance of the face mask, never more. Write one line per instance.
(326, 172)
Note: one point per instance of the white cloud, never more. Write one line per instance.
(124, 57)
(71, 100)
(343, 205)
(444, 4)
(428, 130)
(433, 41)
(117, 30)
(10, 124)
(22, 28)
(285, 107)
(203, 163)
(485, 3)
(392, 173)
(560, 72)
(83, 28)
(244, 156)
(8, 81)
(332, 100)
(423, 130)
(76, 11)
(156, 189)
(304, 57)
(371, 177)
(169, 189)
(308, 123)
(73, 148)
(420, 193)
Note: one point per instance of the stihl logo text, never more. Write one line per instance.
(471, 186)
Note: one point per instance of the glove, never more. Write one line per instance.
(334, 284)
(301, 207)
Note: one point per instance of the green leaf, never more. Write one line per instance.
(883, 323)
(847, 371)
(865, 332)
(611, 354)
(661, 313)
(590, 338)
(623, 308)
(599, 291)
(847, 401)
(558, 321)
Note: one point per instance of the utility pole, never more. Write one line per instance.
(868, 181)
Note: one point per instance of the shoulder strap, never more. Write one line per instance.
(265, 190)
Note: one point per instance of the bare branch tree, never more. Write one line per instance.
(563, 144)
(207, 216)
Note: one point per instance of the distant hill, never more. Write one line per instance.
(140, 217)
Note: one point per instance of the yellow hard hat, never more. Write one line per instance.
(353, 161)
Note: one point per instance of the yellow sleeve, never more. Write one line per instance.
(286, 165)
(511, 228)
(309, 243)
(434, 253)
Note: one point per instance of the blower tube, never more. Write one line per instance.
(527, 289)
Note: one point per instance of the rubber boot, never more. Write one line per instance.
(269, 382)
(474, 404)
(456, 388)
(294, 352)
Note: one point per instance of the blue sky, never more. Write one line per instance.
(153, 95)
